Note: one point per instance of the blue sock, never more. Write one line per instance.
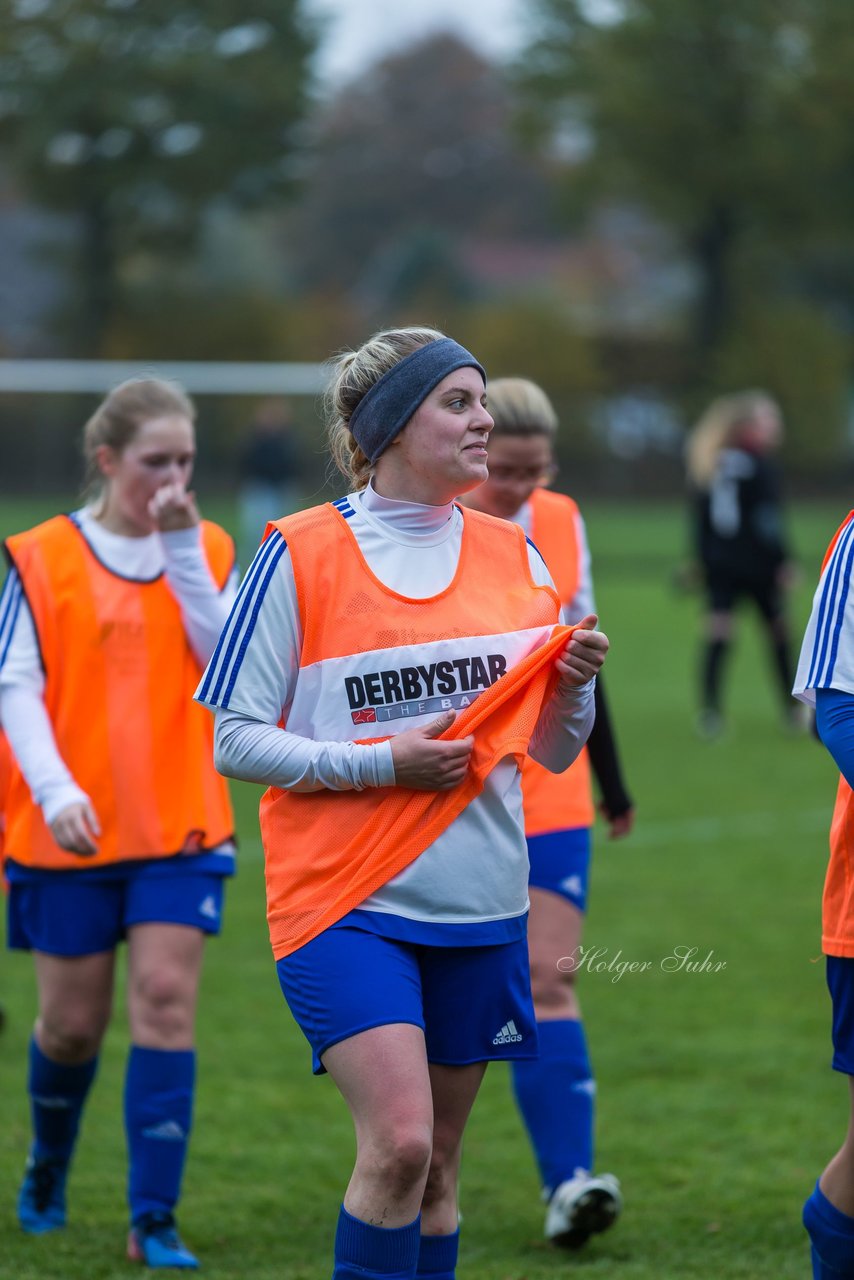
(158, 1116)
(555, 1095)
(832, 1236)
(437, 1256)
(57, 1094)
(363, 1252)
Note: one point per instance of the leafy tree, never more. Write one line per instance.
(733, 122)
(532, 339)
(793, 351)
(239, 324)
(407, 159)
(136, 115)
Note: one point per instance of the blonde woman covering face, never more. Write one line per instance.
(118, 827)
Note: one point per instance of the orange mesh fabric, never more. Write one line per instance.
(346, 610)
(326, 852)
(5, 777)
(553, 532)
(119, 683)
(837, 907)
(557, 801)
(359, 840)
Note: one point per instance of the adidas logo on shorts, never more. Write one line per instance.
(508, 1034)
(573, 886)
(208, 908)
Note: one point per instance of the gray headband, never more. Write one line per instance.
(384, 411)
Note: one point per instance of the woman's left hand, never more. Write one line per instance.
(584, 654)
(620, 824)
(174, 507)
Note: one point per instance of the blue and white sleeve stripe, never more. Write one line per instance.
(343, 505)
(831, 611)
(10, 606)
(219, 679)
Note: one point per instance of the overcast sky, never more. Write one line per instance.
(360, 31)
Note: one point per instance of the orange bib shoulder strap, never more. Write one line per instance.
(829, 552)
(57, 535)
(554, 532)
(345, 609)
(219, 552)
(52, 538)
(56, 542)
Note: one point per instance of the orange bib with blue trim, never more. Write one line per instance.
(484, 647)
(119, 682)
(557, 801)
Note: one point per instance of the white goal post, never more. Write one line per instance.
(199, 377)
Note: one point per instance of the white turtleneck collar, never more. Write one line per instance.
(411, 522)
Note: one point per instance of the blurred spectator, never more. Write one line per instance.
(739, 539)
(270, 470)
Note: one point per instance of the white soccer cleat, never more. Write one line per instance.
(581, 1207)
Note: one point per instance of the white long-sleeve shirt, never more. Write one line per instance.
(204, 609)
(477, 869)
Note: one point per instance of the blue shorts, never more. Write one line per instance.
(560, 861)
(840, 983)
(472, 1003)
(64, 914)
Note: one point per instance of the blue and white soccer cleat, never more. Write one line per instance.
(581, 1207)
(154, 1241)
(41, 1200)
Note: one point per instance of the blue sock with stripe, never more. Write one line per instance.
(158, 1116)
(555, 1096)
(363, 1252)
(832, 1234)
(57, 1094)
(437, 1256)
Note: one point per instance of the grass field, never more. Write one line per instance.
(717, 1107)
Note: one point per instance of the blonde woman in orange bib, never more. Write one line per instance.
(556, 1092)
(118, 826)
(388, 663)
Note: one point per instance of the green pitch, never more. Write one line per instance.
(717, 1108)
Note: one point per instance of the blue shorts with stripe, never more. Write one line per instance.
(560, 862)
(472, 1003)
(80, 913)
(840, 983)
